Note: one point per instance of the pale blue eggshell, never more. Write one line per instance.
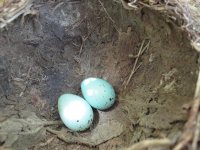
(75, 112)
(98, 92)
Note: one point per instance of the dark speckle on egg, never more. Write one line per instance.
(77, 120)
(102, 95)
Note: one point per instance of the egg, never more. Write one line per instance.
(75, 112)
(98, 93)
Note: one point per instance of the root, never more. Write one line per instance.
(150, 143)
(190, 126)
(191, 129)
(196, 134)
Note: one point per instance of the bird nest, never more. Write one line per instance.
(188, 11)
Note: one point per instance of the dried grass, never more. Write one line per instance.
(12, 9)
(188, 10)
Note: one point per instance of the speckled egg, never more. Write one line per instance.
(98, 92)
(75, 112)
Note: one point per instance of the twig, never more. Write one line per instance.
(127, 6)
(197, 130)
(116, 28)
(150, 143)
(82, 43)
(156, 7)
(197, 91)
(188, 132)
(13, 14)
(141, 51)
(138, 55)
(134, 71)
(196, 134)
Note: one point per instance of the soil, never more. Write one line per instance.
(46, 56)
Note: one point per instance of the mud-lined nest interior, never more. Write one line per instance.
(145, 55)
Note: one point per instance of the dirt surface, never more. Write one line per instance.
(49, 55)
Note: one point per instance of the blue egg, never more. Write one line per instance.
(75, 112)
(98, 92)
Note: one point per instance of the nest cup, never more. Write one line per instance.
(147, 50)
